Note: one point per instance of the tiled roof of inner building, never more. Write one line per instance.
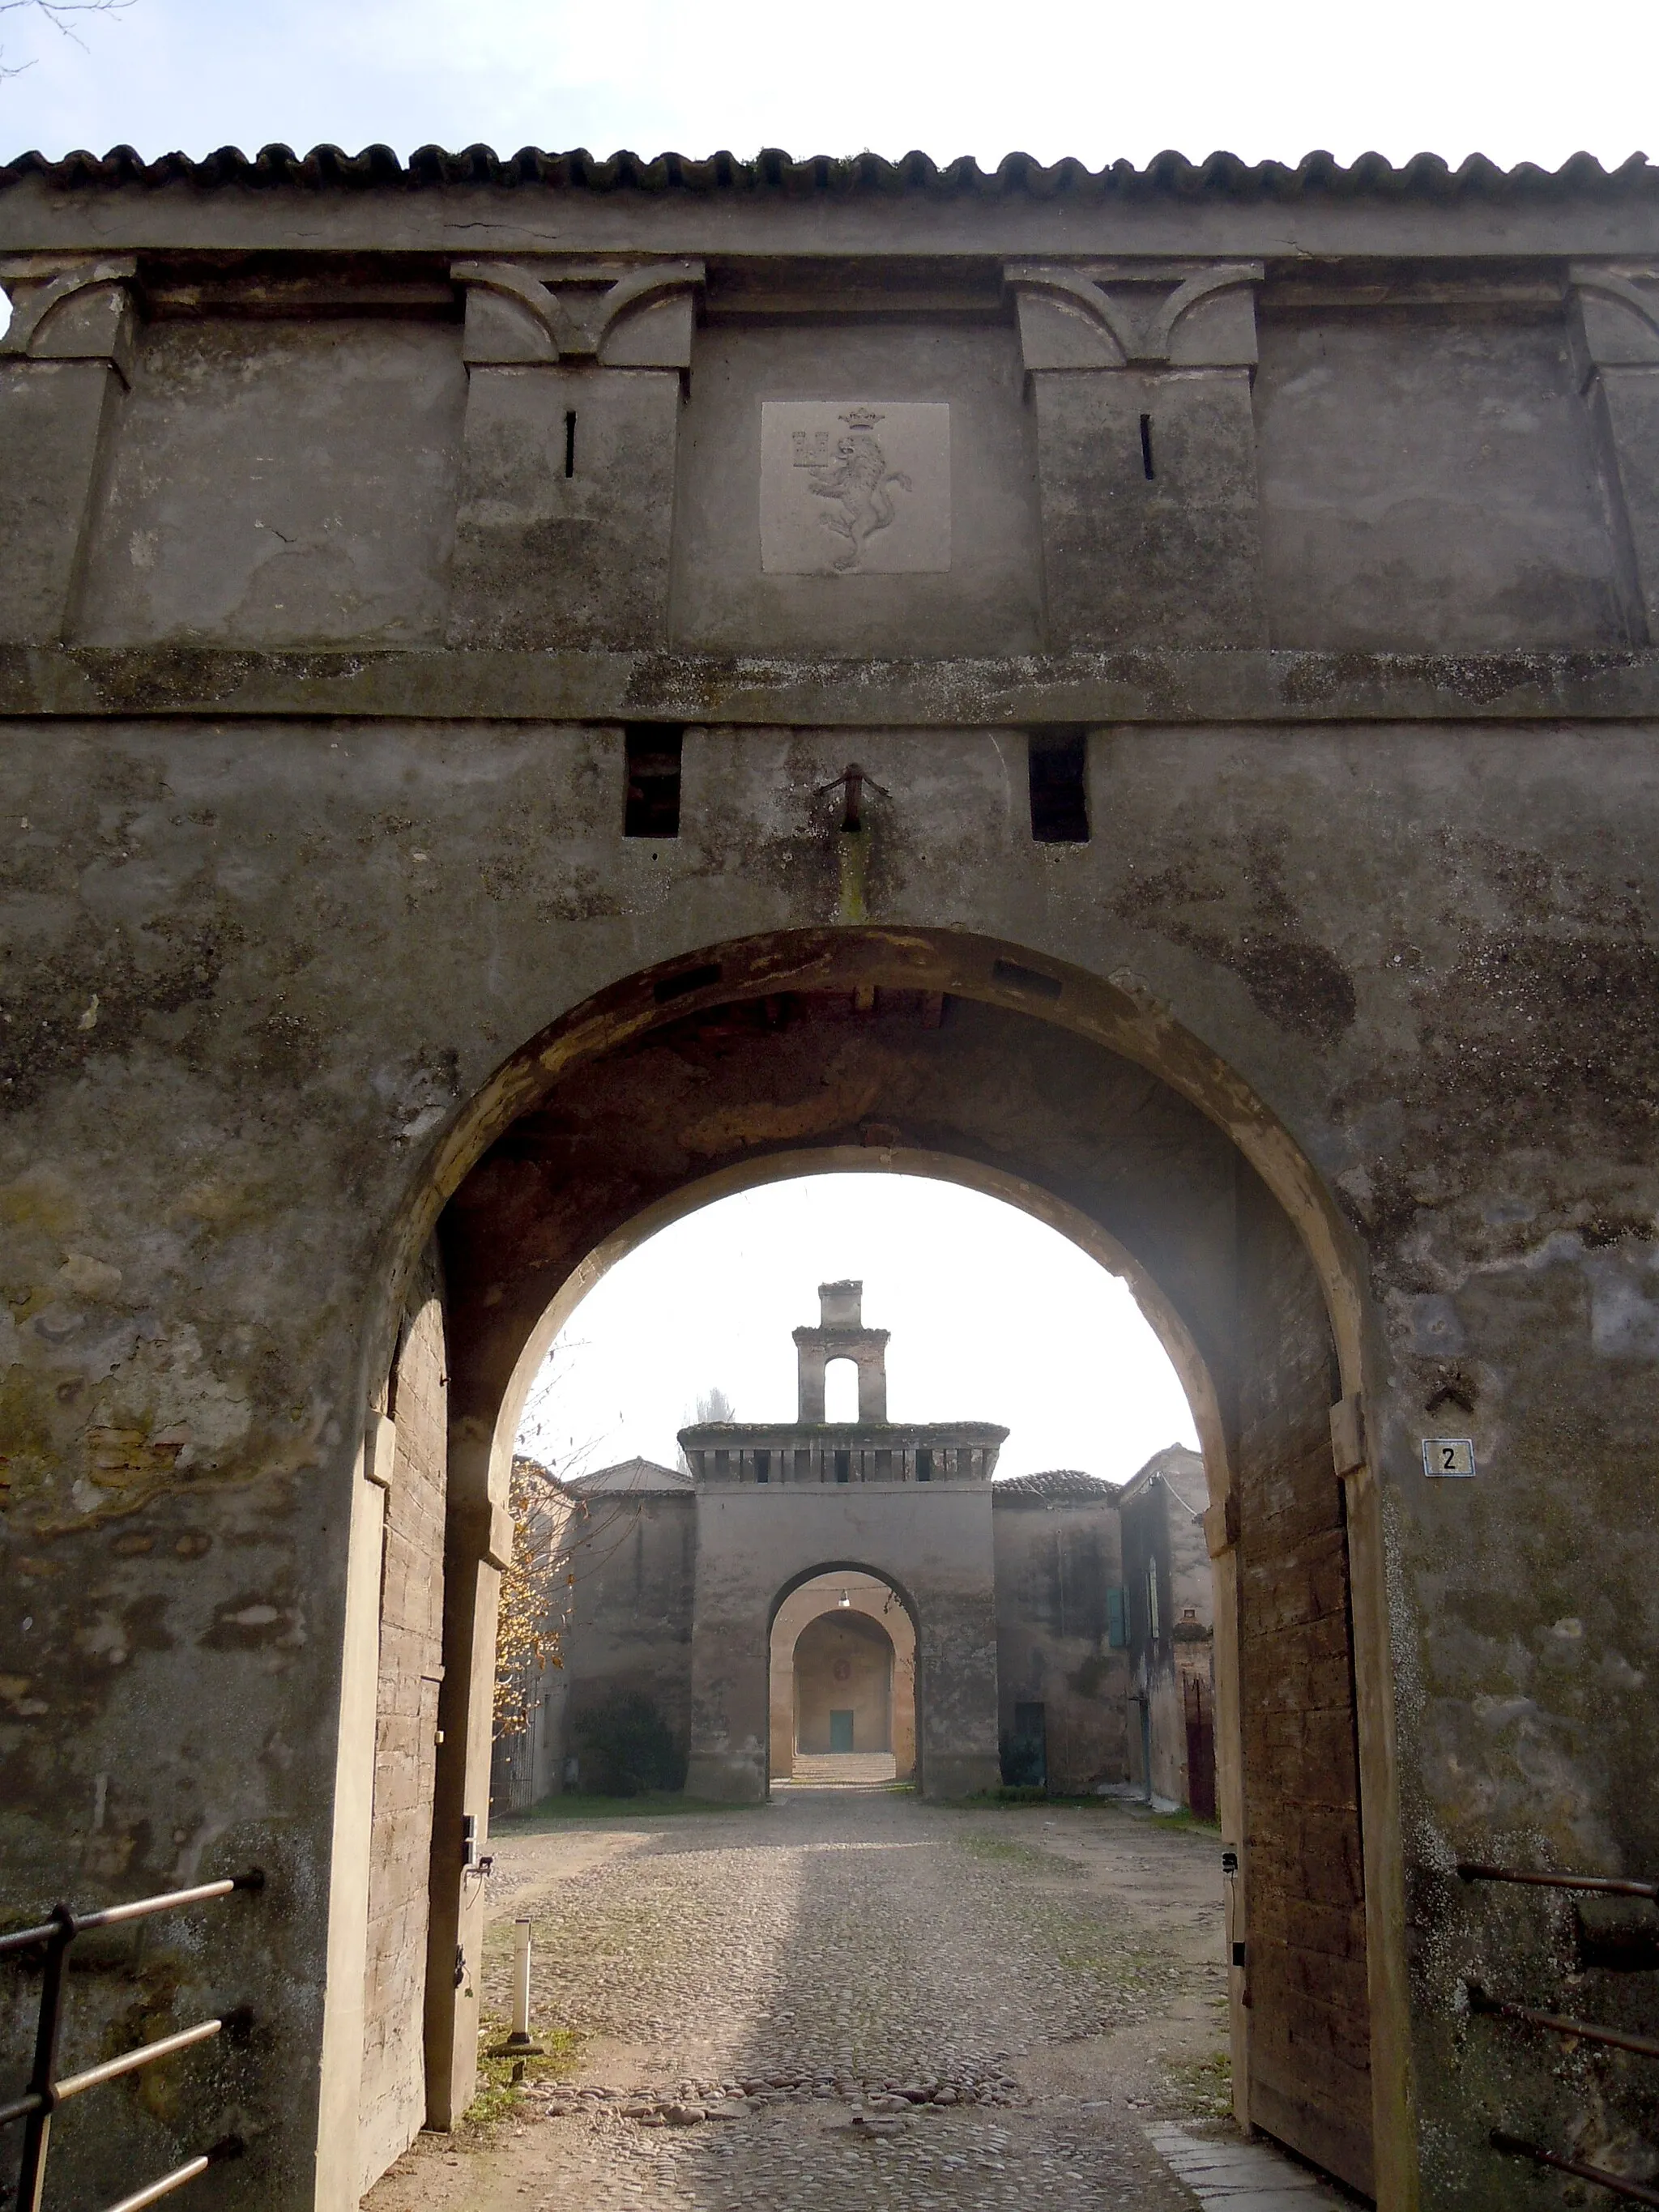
(1055, 1482)
(1425, 176)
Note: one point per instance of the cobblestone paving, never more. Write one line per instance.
(849, 1997)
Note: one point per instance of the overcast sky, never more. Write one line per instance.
(1516, 79)
(993, 1318)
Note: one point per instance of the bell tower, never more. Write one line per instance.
(841, 1335)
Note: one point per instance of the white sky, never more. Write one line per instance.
(1100, 79)
(994, 1318)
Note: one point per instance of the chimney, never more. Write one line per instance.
(841, 1305)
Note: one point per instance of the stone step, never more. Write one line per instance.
(828, 1768)
(1232, 2176)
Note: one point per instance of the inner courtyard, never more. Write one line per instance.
(851, 1995)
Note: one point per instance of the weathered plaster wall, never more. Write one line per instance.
(988, 600)
(626, 1625)
(1431, 482)
(269, 481)
(1056, 1560)
(543, 557)
(934, 1540)
(1422, 947)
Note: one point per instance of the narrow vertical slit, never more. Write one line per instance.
(570, 441)
(1058, 765)
(1147, 469)
(652, 808)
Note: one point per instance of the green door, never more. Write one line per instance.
(841, 1731)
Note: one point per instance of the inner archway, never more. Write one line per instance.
(939, 1055)
(843, 1666)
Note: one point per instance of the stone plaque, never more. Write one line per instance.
(853, 488)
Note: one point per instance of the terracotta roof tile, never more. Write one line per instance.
(1425, 176)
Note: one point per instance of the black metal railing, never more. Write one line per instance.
(1579, 2031)
(49, 1944)
(1638, 2192)
(1602, 1885)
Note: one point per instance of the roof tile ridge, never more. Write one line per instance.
(1220, 174)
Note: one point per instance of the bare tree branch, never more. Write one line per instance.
(59, 15)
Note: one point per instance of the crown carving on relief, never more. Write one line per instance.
(862, 418)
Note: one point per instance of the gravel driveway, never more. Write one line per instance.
(851, 1996)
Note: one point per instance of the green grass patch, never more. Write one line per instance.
(1017, 1797)
(1180, 1822)
(1003, 1852)
(498, 2092)
(1204, 2086)
(1186, 1823)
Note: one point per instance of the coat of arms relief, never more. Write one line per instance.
(855, 486)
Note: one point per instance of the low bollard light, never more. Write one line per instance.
(517, 2044)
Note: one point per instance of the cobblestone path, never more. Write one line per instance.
(849, 1998)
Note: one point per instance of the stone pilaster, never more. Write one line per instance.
(64, 363)
(566, 516)
(1147, 451)
(1615, 321)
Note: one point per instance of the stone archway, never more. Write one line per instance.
(849, 1595)
(945, 1056)
(843, 1669)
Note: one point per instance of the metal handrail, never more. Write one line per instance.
(1616, 2038)
(112, 1916)
(52, 1939)
(1513, 2146)
(1603, 1885)
(1643, 2046)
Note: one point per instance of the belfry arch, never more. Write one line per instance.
(944, 1054)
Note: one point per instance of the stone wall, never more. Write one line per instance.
(1058, 1557)
(625, 1625)
(754, 1543)
(1172, 1633)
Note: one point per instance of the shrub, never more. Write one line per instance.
(1023, 1763)
(630, 1748)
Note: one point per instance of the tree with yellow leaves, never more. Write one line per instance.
(526, 1640)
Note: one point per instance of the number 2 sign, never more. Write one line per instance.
(1448, 1456)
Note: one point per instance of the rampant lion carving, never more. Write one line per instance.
(861, 484)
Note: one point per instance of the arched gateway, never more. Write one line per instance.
(482, 777)
(943, 1054)
(843, 1681)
